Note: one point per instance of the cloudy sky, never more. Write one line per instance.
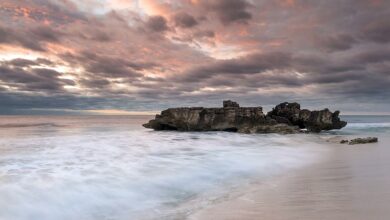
(109, 56)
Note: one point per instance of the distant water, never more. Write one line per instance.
(110, 167)
(367, 123)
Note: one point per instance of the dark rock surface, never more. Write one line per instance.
(314, 121)
(229, 103)
(366, 140)
(284, 118)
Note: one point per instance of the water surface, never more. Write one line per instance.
(110, 167)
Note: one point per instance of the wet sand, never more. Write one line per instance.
(353, 182)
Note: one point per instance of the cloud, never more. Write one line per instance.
(205, 33)
(338, 42)
(21, 62)
(184, 20)
(33, 38)
(377, 31)
(105, 66)
(157, 24)
(251, 64)
(94, 83)
(170, 53)
(33, 79)
(229, 11)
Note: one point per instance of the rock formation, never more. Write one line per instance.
(284, 118)
(366, 140)
(315, 121)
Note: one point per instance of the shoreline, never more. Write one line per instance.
(350, 183)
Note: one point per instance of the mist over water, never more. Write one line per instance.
(91, 167)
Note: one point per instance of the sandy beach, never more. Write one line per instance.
(352, 182)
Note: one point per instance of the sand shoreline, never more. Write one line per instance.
(351, 183)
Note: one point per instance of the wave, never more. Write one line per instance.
(366, 127)
(138, 174)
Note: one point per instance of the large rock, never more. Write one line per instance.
(284, 118)
(286, 113)
(210, 119)
(314, 121)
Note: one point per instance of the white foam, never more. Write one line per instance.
(95, 173)
(368, 125)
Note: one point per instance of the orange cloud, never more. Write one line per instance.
(153, 7)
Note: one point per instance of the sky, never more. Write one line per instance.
(126, 56)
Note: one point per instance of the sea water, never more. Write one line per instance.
(110, 167)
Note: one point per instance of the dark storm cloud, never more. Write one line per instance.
(96, 35)
(229, 11)
(254, 81)
(205, 33)
(112, 68)
(36, 79)
(318, 65)
(372, 88)
(278, 69)
(43, 61)
(184, 20)
(5, 37)
(251, 64)
(372, 56)
(20, 62)
(335, 78)
(378, 31)
(9, 36)
(105, 66)
(16, 75)
(157, 24)
(33, 38)
(46, 34)
(338, 42)
(94, 83)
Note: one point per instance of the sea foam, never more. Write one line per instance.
(106, 170)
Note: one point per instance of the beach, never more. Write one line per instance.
(351, 182)
(194, 110)
(93, 167)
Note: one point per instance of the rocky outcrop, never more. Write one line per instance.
(284, 118)
(366, 140)
(314, 121)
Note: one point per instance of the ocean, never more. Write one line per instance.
(110, 167)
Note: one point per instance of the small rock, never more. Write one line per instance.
(343, 141)
(363, 140)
